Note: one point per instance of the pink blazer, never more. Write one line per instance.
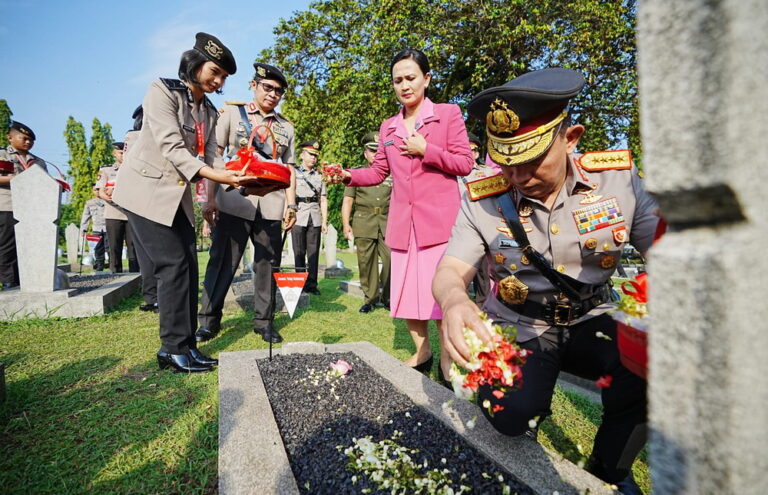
(424, 188)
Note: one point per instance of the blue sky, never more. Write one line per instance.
(96, 58)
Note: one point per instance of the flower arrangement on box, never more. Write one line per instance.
(498, 366)
(632, 325)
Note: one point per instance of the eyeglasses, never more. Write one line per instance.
(279, 91)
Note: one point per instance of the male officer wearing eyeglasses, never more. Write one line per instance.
(235, 218)
(552, 226)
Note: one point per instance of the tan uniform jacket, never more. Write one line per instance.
(567, 236)
(155, 176)
(129, 140)
(107, 180)
(229, 131)
(371, 209)
(93, 211)
(10, 154)
(309, 210)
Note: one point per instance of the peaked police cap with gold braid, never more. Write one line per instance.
(523, 115)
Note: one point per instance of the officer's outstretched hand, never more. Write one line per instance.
(289, 219)
(210, 212)
(347, 229)
(338, 179)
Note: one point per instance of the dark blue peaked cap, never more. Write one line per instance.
(531, 94)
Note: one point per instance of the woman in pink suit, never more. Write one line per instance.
(424, 146)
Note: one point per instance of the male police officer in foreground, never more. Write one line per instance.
(567, 220)
(235, 217)
(368, 228)
(14, 159)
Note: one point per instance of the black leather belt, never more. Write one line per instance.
(311, 199)
(562, 312)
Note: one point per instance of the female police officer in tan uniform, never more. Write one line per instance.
(176, 146)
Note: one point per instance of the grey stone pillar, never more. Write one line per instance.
(704, 107)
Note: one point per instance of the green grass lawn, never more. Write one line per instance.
(88, 410)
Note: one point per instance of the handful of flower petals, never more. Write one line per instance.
(498, 366)
(331, 171)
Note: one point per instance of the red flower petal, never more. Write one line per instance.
(497, 408)
(604, 381)
(498, 394)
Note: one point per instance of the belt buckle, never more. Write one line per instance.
(377, 210)
(557, 316)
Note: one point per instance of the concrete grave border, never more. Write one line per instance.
(252, 457)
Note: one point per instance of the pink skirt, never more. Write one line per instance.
(411, 281)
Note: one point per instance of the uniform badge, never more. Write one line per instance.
(500, 258)
(261, 72)
(508, 243)
(188, 128)
(213, 50)
(512, 290)
(526, 223)
(608, 262)
(252, 107)
(620, 234)
(590, 196)
(390, 142)
(525, 210)
(590, 243)
(602, 214)
(524, 260)
(513, 266)
(506, 232)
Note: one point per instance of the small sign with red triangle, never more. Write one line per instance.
(291, 285)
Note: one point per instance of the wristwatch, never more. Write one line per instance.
(293, 207)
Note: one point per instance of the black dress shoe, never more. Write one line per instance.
(425, 366)
(269, 334)
(314, 291)
(183, 363)
(149, 307)
(205, 333)
(201, 358)
(628, 486)
(366, 308)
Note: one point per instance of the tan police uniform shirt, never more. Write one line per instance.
(570, 236)
(309, 210)
(93, 211)
(371, 209)
(156, 174)
(229, 131)
(10, 154)
(129, 140)
(107, 180)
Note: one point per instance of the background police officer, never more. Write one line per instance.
(14, 159)
(116, 221)
(368, 227)
(312, 216)
(565, 221)
(235, 217)
(93, 212)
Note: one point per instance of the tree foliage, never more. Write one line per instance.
(5, 122)
(85, 160)
(336, 55)
(100, 150)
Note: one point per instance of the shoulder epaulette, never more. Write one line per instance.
(283, 117)
(210, 105)
(487, 186)
(235, 102)
(597, 161)
(173, 84)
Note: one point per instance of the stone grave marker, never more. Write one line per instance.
(36, 201)
(72, 236)
(704, 108)
(331, 270)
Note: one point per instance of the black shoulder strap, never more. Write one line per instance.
(173, 84)
(565, 284)
(303, 176)
(245, 119)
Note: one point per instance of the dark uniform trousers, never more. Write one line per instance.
(306, 251)
(579, 351)
(147, 269)
(9, 263)
(117, 232)
(173, 252)
(229, 239)
(99, 250)
(368, 253)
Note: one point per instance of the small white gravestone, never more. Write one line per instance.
(72, 236)
(290, 259)
(331, 236)
(36, 200)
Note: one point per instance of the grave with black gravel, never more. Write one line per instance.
(356, 433)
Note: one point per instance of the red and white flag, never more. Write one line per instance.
(290, 285)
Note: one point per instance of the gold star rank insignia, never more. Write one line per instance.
(500, 258)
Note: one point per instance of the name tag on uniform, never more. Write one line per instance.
(188, 128)
(508, 243)
(390, 142)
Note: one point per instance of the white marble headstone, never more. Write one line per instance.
(72, 236)
(36, 200)
(331, 236)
